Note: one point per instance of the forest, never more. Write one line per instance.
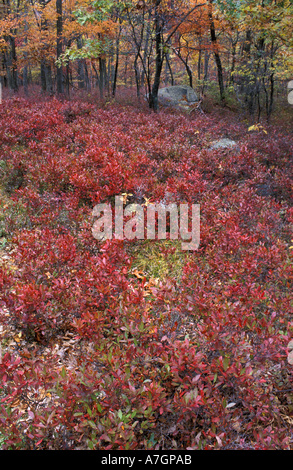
(131, 342)
(63, 46)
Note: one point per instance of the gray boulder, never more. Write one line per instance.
(177, 96)
(223, 144)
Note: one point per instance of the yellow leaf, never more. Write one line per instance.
(125, 197)
(257, 127)
(17, 338)
(138, 274)
(147, 201)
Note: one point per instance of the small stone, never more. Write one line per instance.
(223, 144)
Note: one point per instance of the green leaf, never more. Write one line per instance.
(92, 424)
(226, 361)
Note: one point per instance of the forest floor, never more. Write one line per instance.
(138, 344)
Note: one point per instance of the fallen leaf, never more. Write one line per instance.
(230, 405)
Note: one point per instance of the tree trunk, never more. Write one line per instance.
(272, 80)
(199, 65)
(97, 75)
(205, 71)
(125, 70)
(46, 72)
(114, 85)
(271, 102)
(43, 77)
(102, 76)
(10, 55)
(186, 65)
(153, 99)
(137, 76)
(216, 54)
(247, 43)
(145, 67)
(80, 74)
(25, 79)
(81, 79)
(3, 69)
(86, 76)
(59, 46)
(11, 64)
(109, 75)
(47, 77)
(168, 67)
(231, 79)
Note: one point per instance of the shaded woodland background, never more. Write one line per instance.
(237, 52)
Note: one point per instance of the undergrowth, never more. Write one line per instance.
(138, 344)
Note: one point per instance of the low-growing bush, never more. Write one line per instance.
(105, 348)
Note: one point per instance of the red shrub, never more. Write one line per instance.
(198, 363)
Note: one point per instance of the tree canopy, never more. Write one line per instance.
(67, 44)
